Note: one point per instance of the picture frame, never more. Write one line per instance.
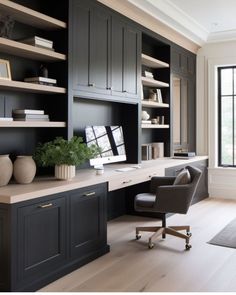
(5, 71)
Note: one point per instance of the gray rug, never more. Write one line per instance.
(226, 237)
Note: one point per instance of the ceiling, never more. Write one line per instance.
(201, 21)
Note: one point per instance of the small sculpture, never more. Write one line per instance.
(145, 115)
(6, 26)
(43, 71)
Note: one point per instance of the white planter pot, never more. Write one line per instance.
(64, 172)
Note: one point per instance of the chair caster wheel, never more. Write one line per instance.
(150, 245)
(138, 237)
(189, 234)
(188, 247)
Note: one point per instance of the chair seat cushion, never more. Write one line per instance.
(183, 177)
(145, 200)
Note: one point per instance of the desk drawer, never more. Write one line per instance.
(128, 179)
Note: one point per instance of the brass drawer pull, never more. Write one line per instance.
(45, 206)
(128, 181)
(89, 194)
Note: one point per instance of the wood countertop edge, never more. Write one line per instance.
(45, 186)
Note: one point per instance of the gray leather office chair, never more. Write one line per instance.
(169, 195)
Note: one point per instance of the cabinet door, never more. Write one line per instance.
(117, 57)
(41, 238)
(4, 251)
(132, 62)
(90, 48)
(88, 220)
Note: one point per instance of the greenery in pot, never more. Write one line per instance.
(64, 152)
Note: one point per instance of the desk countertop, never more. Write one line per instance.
(43, 186)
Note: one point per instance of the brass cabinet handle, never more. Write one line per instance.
(89, 194)
(45, 206)
(127, 181)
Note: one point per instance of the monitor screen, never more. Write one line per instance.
(110, 139)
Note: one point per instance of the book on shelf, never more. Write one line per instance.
(30, 116)
(151, 151)
(184, 154)
(146, 152)
(148, 74)
(28, 111)
(40, 80)
(32, 119)
(38, 41)
(146, 122)
(6, 119)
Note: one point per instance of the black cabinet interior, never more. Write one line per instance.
(95, 112)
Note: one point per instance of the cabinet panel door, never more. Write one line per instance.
(41, 242)
(99, 49)
(117, 57)
(132, 62)
(4, 251)
(175, 60)
(80, 45)
(87, 220)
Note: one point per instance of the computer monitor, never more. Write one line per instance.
(110, 140)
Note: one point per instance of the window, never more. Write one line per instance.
(227, 115)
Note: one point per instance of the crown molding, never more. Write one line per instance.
(169, 14)
(222, 36)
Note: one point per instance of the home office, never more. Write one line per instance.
(113, 64)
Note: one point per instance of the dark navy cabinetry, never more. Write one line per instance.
(105, 53)
(45, 238)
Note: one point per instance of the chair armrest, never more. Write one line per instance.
(159, 181)
(174, 198)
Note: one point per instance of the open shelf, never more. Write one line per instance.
(28, 51)
(155, 126)
(31, 124)
(30, 87)
(153, 62)
(153, 104)
(31, 17)
(153, 83)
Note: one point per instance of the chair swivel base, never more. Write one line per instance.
(162, 231)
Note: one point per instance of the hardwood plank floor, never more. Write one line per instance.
(132, 267)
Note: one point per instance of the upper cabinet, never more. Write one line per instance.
(183, 100)
(105, 53)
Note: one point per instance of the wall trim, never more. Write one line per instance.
(143, 18)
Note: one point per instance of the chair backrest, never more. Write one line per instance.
(178, 198)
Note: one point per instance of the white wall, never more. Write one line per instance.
(222, 181)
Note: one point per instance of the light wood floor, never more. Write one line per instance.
(132, 267)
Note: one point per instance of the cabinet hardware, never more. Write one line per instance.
(89, 194)
(91, 85)
(109, 88)
(127, 181)
(124, 91)
(150, 176)
(45, 206)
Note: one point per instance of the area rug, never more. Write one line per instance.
(226, 237)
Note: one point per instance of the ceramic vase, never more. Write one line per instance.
(24, 169)
(6, 169)
(64, 172)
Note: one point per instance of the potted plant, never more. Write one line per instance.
(65, 155)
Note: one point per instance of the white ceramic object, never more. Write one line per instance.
(24, 169)
(64, 172)
(6, 168)
(145, 115)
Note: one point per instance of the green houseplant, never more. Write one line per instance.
(65, 155)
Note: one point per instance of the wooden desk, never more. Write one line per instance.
(43, 186)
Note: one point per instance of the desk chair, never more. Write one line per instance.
(169, 195)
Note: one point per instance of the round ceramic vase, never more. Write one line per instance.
(24, 169)
(6, 169)
(64, 172)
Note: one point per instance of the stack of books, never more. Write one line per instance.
(184, 155)
(152, 150)
(39, 42)
(148, 74)
(29, 115)
(41, 80)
